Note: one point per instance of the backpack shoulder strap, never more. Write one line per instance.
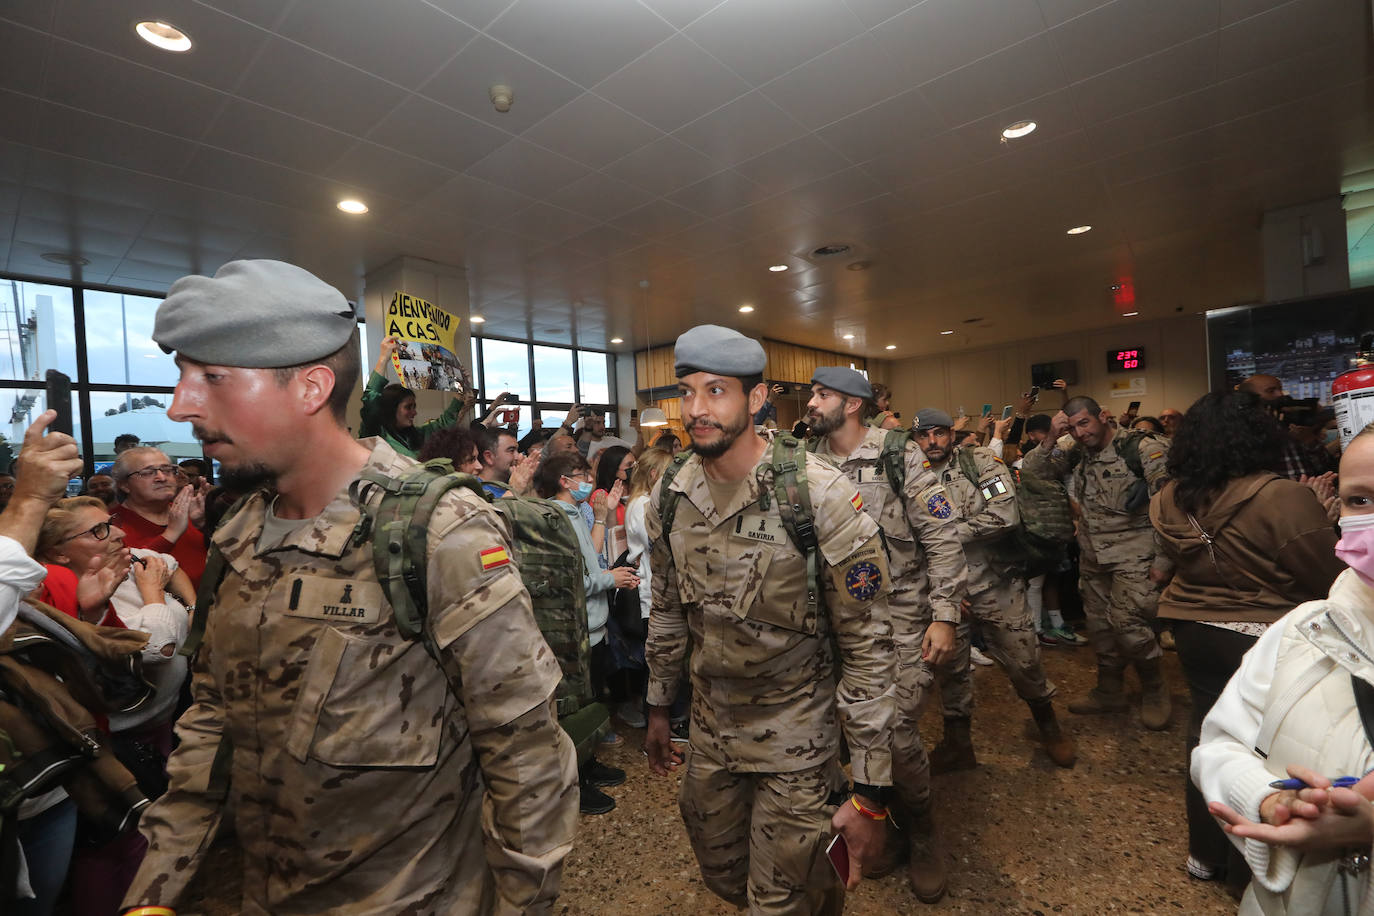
(667, 496)
(1129, 450)
(400, 538)
(794, 506)
(968, 464)
(893, 458)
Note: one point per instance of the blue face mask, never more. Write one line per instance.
(582, 492)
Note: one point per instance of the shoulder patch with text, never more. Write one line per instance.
(863, 579)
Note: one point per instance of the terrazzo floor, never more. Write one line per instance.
(1022, 836)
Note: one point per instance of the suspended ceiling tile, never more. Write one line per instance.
(875, 12)
(1016, 74)
(350, 29)
(656, 219)
(1147, 81)
(465, 84)
(899, 122)
(840, 82)
(938, 36)
(680, 13)
(600, 197)
(394, 174)
(477, 201)
(1137, 28)
(476, 13)
(547, 223)
(791, 165)
(272, 136)
(224, 45)
(592, 131)
(1287, 31)
(741, 130)
(110, 141)
(527, 168)
(722, 192)
(652, 87)
(585, 41)
(763, 39)
(437, 134)
(662, 167)
(22, 55)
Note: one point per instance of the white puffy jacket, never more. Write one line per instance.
(1292, 700)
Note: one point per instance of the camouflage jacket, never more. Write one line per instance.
(360, 768)
(768, 695)
(985, 511)
(1107, 532)
(929, 575)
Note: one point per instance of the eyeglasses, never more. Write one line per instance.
(100, 531)
(166, 470)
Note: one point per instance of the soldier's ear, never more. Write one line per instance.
(757, 396)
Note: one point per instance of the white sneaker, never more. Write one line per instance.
(978, 658)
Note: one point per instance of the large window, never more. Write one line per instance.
(121, 381)
(553, 377)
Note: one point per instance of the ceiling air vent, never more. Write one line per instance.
(829, 251)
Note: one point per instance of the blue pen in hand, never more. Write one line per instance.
(1340, 782)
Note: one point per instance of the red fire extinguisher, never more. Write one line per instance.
(1352, 392)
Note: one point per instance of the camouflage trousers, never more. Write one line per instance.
(760, 838)
(1119, 602)
(1010, 635)
(910, 764)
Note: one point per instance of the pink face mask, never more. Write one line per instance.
(1356, 546)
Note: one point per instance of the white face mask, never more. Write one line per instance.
(1356, 546)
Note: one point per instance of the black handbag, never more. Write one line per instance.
(625, 608)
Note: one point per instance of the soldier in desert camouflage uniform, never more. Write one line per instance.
(985, 513)
(776, 677)
(1121, 567)
(358, 768)
(929, 576)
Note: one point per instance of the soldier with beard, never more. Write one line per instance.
(778, 674)
(364, 775)
(929, 576)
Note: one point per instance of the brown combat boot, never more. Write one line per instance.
(1155, 705)
(1058, 745)
(1108, 696)
(926, 871)
(955, 751)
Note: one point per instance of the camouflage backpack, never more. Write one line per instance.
(1037, 541)
(794, 505)
(547, 556)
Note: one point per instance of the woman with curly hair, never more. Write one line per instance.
(1249, 545)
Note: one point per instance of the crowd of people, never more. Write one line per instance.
(775, 611)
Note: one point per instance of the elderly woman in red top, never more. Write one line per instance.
(154, 513)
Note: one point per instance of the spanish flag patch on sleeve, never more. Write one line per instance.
(493, 557)
(1156, 455)
(857, 502)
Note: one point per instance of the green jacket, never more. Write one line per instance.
(374, 424)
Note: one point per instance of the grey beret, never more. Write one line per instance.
(254, 314)
(844, 380)
(711, 348)
(931, 417)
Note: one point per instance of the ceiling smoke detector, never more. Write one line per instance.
(502, 97)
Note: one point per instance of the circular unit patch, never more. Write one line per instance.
(939, 506)
(863, 580)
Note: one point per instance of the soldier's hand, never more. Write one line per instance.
(664, 756)
(1059, 425)
(938, 645)
(864, 836)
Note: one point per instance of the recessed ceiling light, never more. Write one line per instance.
(890, 347)
(164, 36)
(617, 340)
(746, 308)
(355, 207)
(848, 336)
(1129, 314)
(1018, 129)
(778, 268)
(1079, 230)
(946, 332)
(62, 257)
(476, 319)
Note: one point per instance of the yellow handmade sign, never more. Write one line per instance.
(426, 356)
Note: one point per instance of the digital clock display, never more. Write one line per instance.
(1126, 360)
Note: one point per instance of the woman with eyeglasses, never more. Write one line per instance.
(155, 512)
(94, 575)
